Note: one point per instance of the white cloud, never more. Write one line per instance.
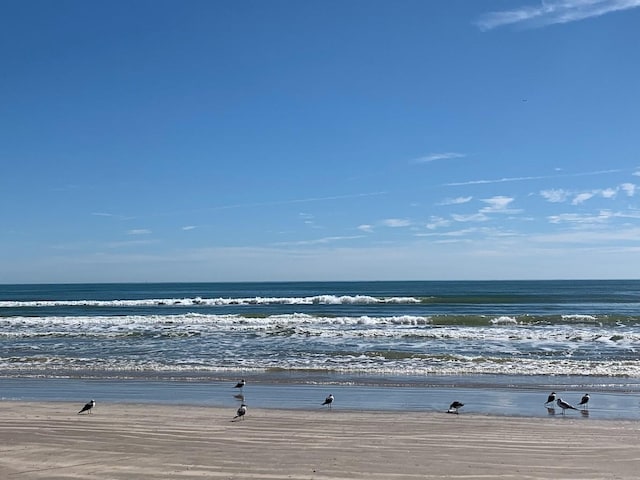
(555, 195)
(549, 12)
(603, 216)
(560, 195)
(365, 228)
(455, 201)
(438, 156)
(582, 197)
(139, 231)
(498, 204)
(396, 222)
(629, 189)
(474, 217)
(437, 222)
(189, 227)
(582, 219)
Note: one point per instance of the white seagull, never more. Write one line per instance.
(242, 411)
(328, 401)
(584, 401)
(87, 408)
(453, 408)
(240, 384)
(551, 398)
(564, 405)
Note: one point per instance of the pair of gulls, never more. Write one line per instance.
(584, 401)
(242, 411)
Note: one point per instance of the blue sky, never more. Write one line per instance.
(335, 140)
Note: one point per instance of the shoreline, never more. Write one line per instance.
(519, 401)
(124, 441)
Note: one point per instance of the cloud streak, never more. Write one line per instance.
(550, 12)
(432, 157)
(319, 241)
(523, 179)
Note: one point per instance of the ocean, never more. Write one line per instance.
(508, 342)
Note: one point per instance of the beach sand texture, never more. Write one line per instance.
(121, 441)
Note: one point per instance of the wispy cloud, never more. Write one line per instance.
(308, 219)
(582, 197)
(577, 198)
(139, 231)
(432, 157)
(437, 222)
(319, 241)
(365, 228)
(455, 201)
(474, 217)
(549, 12)
(396, 222)
(275, 203)
(557, 195)
(129, 244)
(189, 227)
(522, 179)
(111, 215)
(602, 216)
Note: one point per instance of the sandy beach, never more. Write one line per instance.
(123, 441)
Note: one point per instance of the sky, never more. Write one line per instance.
(287, 140)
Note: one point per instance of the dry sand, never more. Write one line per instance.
(50, 441)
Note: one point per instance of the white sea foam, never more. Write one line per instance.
(504, 321)
(311, 300)
(505, 331)
(357, 344)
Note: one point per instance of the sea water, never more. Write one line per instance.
(497, 338)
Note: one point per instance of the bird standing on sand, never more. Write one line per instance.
(584, 401)
(242, 411)
(240, 384)
(87, 408)
(564, 405)
(328, 401)
(453, 408)
(551, 398)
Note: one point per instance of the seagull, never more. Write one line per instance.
(551, 398)
(453, 408)
(564, 405)
(584, 401)
(240, 384)
(328, 400)
(87, 408)
(241, 412)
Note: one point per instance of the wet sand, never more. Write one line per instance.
(128, 441)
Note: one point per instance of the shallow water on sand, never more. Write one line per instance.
(407, 400)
